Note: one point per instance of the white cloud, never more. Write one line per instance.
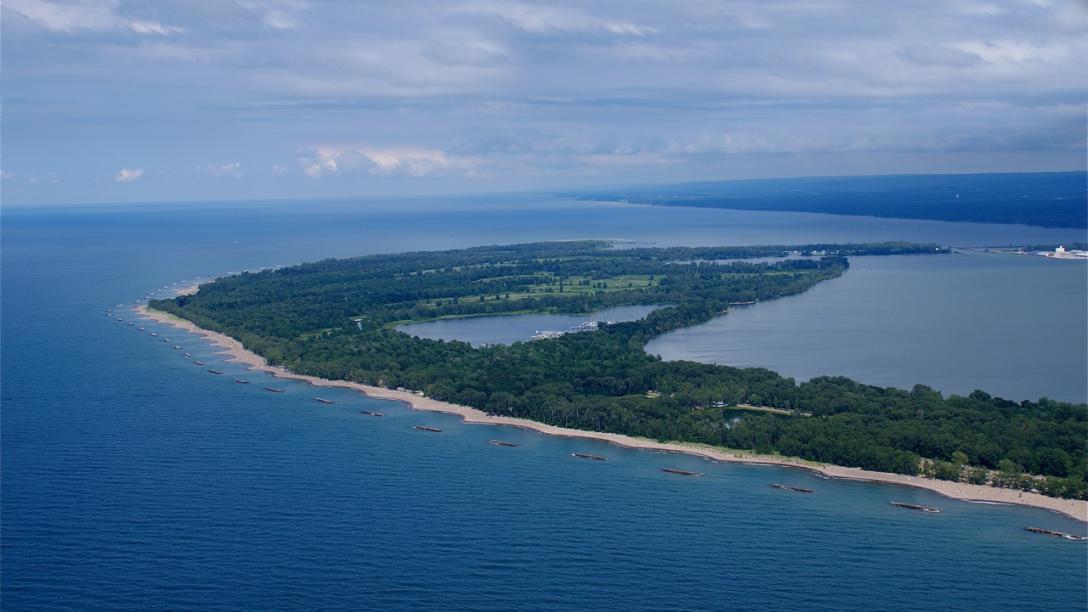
(410, 161)
(150, 27)
(127, 175)
(276, 14)
(83, 15)
(231, 170)
(5, 175)
(1004, 52)
(545, 18)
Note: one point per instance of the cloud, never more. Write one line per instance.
(83, 15)
(408, 161)
(128, 175)
(566, 92)
(5, 175)
(276, 14)
(1005, 52)
(231, 170)
(543, 18)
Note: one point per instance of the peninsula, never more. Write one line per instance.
(333, 322)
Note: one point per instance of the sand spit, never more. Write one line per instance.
(1077, 509)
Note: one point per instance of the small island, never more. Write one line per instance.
(336, 320)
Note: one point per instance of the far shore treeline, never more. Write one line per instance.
(1047, 199)
(336, 319)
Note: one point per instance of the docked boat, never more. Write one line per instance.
(371, 413)
(786, 487)
(681, 472)
(589, 456)
(917, 507)
(213, 371)
(198, 362)
(426, 428)
(323, 400)
(501, 443)
(273, 390)
(1056, 534)
(241, 382)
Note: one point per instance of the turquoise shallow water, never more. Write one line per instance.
(134, 479)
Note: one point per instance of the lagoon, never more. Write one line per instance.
(508, 329)
(1011, 325)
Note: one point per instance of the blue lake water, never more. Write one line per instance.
(508, 329)
(1012, 325)
(134, 479)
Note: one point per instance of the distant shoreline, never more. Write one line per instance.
(1076, 509)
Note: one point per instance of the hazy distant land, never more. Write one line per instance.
(1047, 199)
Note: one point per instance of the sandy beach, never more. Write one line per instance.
(1077, 509)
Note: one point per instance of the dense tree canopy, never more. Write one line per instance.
(337, 319)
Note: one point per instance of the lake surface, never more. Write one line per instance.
(134, 479)
(508, 329)
(1012, 325)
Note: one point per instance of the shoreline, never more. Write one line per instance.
(235, 351)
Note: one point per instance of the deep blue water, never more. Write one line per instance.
(134, 479)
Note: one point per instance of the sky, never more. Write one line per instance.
(129, 101)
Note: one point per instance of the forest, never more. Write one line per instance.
(337, 319)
